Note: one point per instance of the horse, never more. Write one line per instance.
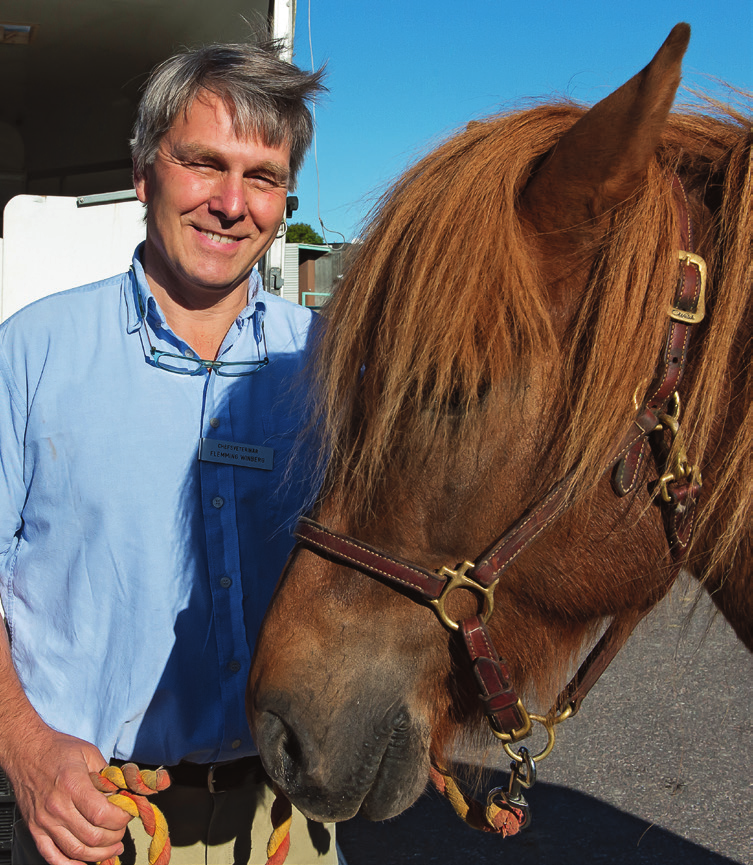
(545, 330)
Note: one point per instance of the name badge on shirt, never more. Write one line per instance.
(236, 454)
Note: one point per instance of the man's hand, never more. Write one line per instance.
(70, 821)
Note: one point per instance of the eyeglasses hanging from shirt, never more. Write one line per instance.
(187, 365)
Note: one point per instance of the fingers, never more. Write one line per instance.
(98, 812)
(65, 849)
(63, 834)
(68, 818)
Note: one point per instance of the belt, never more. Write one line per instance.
(215, 777)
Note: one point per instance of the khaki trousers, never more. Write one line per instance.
(227, 828)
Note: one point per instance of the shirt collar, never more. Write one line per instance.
(139, 296)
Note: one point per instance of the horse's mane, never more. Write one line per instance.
(443, 300)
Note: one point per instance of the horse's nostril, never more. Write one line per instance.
(281, 747)
(401, 722)
(273, 740)
(291, 754)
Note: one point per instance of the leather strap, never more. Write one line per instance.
(368, 560)
(628, 469)
(497, 694)
(599, 658)
(674, 357)
(680, 518)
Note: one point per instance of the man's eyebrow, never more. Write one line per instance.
(189, 151)
(195, 152)
(279, 172)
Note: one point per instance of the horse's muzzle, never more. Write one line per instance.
(376, 768)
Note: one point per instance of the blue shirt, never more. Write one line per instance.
(134, 576)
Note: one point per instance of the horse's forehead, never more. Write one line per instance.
(504, 430)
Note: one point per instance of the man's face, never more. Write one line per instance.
(215, 204)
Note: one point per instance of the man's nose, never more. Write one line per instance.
(228, 197)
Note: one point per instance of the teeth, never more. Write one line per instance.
(218, 238)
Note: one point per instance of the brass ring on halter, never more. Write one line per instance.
(549, 727)
(566, 713)
(674, 407)
(458, 580)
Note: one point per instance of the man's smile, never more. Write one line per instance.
(219, 238)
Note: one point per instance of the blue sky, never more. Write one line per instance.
(403, 74)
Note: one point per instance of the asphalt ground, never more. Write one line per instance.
(656, 768)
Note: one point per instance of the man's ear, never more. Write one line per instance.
(141, 184)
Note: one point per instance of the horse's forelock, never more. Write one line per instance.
(442, 297)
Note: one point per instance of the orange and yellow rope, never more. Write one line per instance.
(128, 787)
(492, 818)
(279, 841)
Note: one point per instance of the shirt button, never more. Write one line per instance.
(189, 353)
(214, 422)
(226, 582)
(235, 744)
(234, 666)
(218, 502)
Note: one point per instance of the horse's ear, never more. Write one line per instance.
(604, 157)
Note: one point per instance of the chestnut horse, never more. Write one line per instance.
(498, 335)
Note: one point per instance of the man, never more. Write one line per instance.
(135, 576)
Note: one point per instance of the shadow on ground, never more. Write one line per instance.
(568, 828)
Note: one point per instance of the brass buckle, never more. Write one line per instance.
(459, 580)
(516, 735)
(685, 316)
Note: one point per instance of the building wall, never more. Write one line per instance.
(306, 279)
(290, 288)
(318, 270)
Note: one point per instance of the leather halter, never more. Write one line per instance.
(680, 488)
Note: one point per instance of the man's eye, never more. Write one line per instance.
(264, 180)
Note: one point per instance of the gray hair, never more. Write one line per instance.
(267, 98)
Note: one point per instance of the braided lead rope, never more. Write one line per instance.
(279, 841)
(490, 818)
(128, 787)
